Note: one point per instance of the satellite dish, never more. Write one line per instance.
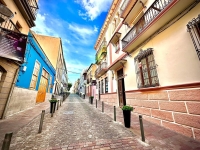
(5, 13)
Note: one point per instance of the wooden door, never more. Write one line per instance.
(42, 88)
(121, 88)
(120, 91)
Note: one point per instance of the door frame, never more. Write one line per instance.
(123, 87)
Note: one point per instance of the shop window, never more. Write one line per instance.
(146, 72)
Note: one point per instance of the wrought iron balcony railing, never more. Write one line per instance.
(102, 66)
(33, 6)
(154, 10)
(9, 25)
(102, 50)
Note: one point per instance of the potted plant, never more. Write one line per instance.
(127, 115)
(53, 103)
(91, 99)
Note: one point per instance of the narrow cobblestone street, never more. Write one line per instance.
(74, 122)
(79, 125)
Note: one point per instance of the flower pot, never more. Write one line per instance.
(51, 107)
(127, 118)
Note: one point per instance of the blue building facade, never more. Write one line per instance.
(35, 79)
(34, 54)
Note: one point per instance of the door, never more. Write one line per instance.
(42, 87)
(121, 88)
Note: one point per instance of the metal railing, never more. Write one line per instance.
(33, 6)
(10, 26)
(154, 10)
(124, 6)
(101, 50)
(102, 66)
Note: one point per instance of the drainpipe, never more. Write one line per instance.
(10, 94)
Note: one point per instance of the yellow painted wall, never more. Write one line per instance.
(174, 54)
(17, 16)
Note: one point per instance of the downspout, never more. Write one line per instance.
(10, 94)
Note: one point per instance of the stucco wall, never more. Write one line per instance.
(17, 16)
(21, 99)
(174, 54)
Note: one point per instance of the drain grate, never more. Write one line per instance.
(68, 112)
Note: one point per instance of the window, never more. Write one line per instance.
(50, 80)
(117, 46)
(194, 30)
(18, 27)
(102, 87)
(146, 69)
(35, 75)
(106, 85)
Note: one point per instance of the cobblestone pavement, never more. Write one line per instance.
(76, 124)
(79, 125)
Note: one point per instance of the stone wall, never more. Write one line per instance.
(110, 98)
(177, 110)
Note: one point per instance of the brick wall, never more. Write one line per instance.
(110, 98)
(178, 110)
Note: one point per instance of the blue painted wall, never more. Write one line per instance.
(34, 53)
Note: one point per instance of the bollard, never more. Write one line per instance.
(6, 142)
(57, 104)
(53, 111)
(114, 113)
(60, 102)
(141, 128)
(96, 103)
(102, 106)
(41, 121)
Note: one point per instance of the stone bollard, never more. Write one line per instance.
(41, 121)
(6, 142)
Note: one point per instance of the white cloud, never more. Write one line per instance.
(41, 27)
(93, 8)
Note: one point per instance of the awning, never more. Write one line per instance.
(117, 64)
(115, 37)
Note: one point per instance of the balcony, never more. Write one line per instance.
(101, 69)
(101, 53)
(28, 9)
(157, 15)
(126, 6)
(9, 25)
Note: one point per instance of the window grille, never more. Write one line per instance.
(194, 30)
(145, 67)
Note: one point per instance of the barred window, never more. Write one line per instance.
(35, 75)
(146, 73)
(194, 31)
(106, 85)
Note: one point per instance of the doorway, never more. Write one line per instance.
(121, 88)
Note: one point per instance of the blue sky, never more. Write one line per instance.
(78, 23)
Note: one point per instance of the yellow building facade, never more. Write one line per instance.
(153, 61)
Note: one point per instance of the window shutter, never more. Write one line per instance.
(138, 73)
